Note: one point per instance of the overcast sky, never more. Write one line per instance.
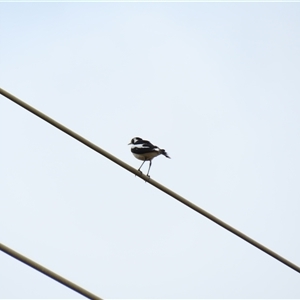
(215, 84)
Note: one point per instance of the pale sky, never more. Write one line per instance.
(215, 84)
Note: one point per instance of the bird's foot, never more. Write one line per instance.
(139, 171)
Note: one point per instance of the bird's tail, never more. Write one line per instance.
(163, 152)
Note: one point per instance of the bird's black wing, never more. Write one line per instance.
(143, 147)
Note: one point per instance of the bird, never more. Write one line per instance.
(144, 150)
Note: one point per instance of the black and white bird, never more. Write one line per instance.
(144, 150)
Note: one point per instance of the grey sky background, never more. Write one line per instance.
(215, 84)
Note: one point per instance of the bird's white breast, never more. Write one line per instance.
(146, 156)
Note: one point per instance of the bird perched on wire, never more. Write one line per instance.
(144, 150)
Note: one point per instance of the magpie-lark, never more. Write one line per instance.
(144, 150)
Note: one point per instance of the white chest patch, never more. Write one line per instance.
(146, 156)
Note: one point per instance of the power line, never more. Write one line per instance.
(149, 180)
(48, 272)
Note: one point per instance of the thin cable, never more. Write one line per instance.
(47, 272)
(151, 181)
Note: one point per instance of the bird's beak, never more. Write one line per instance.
(130, 143)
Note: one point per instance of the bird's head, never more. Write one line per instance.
(134, 140)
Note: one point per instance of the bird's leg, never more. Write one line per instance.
(149, 168)
(141, 166)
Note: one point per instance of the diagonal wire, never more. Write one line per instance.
(48, 272)
(150, 181)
